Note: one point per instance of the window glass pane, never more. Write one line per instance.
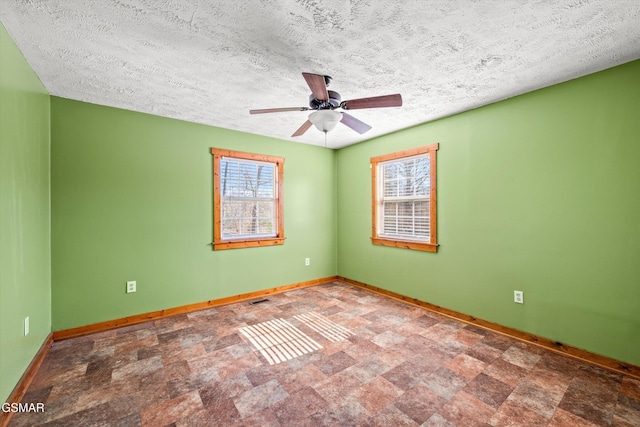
(390, 171)
(266, 209)
(390, 208)
(421, 208)
(405, 209)
(247, 226)
(266, 226)
(405, 198)
(246, 179)
(405, 187)
(248, 198)
(230, 226)
(405, 226)
(390, 225)
(248, 217)
(422, 182)
(422, 227)
(407, 169)
(390, 188)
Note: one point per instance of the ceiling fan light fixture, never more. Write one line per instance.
(325, 120)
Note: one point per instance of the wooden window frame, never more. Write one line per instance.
(376, 239)
(218, 242)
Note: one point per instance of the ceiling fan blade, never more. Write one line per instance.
(373, 102)
(302, 129)
(317, 85)
(277, 110)
(355, 124)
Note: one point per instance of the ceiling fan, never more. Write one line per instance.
(325, 102)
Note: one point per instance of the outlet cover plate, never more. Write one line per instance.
(26, 326)
(131, 286)
(518, 296)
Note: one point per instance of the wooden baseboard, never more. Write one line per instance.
(555, 346)
(25, 381)
(154, 315)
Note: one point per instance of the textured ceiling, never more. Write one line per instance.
(210, 62)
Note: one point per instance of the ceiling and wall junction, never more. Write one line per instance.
(211, 62)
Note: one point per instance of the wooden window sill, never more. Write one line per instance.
(250, 243)
(406, 244)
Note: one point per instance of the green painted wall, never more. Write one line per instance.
(539, 193)
(25, 231)
(132, 200)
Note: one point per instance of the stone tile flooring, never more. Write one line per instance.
(403, 366)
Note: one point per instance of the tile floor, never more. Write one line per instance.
(397, 365)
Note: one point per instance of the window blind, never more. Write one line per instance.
(405, 198)
(248, 198)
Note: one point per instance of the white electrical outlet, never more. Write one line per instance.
(131, 286)
(307, 261)
(518, 296)
(26, 326)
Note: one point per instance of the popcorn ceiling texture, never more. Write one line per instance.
(211, 62)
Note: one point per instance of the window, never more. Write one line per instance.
(247, 200)
(404, 199)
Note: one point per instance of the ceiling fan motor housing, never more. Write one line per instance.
(330, 104)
